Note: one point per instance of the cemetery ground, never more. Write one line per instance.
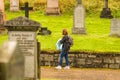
(97, 39)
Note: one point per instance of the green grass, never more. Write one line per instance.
(97, 38)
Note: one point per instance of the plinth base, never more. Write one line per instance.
(78, 30)
(106, 13)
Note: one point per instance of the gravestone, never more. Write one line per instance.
(2, 18)
(2, 10)
(79, 19)
(44, 31)
(115, 27)
(26, 8)
(11, 62)
(106, 12)
(52, 7)
(23, 30)
(14, 5)
(2, 5)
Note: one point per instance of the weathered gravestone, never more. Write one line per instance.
(2, 10)
(23, 30)
(26, 8)
(11, 62)
(2, 18)
(115, 27)
(79, 19)
(52, 7)
(44, 31)
(14, 5)
(106, 12)
(2, 5)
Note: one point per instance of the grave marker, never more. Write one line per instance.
(14, 5)
(26, 8)
(23, 30)
(79, 19)
(106, 12)
(52, 7)
(115, 27)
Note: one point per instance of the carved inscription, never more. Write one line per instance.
(25, 40)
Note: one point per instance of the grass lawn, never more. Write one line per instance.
(97, 38)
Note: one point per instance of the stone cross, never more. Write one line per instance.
(26, 8)
(106, 3)
(11, 62)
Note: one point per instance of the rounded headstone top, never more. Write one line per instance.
(21, 21)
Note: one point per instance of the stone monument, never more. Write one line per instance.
(2, 9)
(115, 27)
(106, 12)
(26, 8)
(23, 30)
(79, 19)
(2, 18)
(52, 7)
(44, 31)
(11, 62)
(14, 5)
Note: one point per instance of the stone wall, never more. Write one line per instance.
(83, 59)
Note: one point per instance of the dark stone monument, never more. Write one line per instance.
(44, 31)
(79, 19)
(11, 62)
(24, 31)
(115, 27)
(26, 8)
(52, 7)
(106, 12)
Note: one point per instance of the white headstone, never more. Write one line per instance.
(79, 20)
(14, 5)
(115, 27)
(27, 44)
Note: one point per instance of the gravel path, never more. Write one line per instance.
(80, 74)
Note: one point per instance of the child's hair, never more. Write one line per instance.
(65, 32)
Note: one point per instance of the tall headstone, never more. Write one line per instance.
(79, 19)
(26, 8)
(23, 30)
(2, 5)
(106, 12)
(2, 18)
(2, 9)
(115, 27)
(11, 62)
(52, 7)
(14, 5)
